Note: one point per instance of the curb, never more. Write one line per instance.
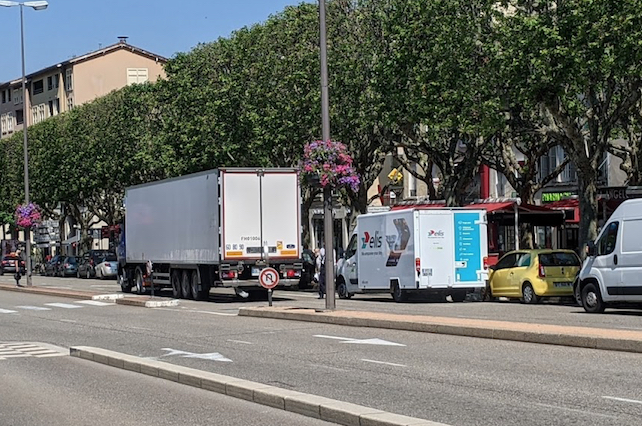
(146, 302)
(500, 330)
(327, 409)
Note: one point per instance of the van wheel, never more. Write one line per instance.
(592, 299)
(140, 284)
(458, 296)
(342, 289)
(577, 293)
(176, 285)
(528, 294)
(398, 294)
(186, 285)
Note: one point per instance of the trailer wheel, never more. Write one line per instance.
(140, 284)
(176, 285)
(196, 294)
(124, 281)
(186, 285)
(398, 294)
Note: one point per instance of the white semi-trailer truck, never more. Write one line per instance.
(217, 228)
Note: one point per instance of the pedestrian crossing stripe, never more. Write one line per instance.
(95, 303)
(33, 308)
(7, 311)
(35, 350)
(63, 305)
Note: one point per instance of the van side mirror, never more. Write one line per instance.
(591, 248)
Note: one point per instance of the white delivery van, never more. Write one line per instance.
(438, 251)
(612, 271)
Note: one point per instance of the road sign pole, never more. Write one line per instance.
(270, 297)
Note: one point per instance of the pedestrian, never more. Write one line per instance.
(18, 275)
(309, 267)
(321, 272)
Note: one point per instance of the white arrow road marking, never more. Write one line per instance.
(381, 362)
(241, 341)
(633, 401)
(7, 311)
(213, 356)
(374, 341)
(63, 305)
(33, 308)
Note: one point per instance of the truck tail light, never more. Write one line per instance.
(418, 264)
(228, 275)
(485, 262)
(293, 273)
(542, 271)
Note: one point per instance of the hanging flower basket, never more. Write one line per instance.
(28, 216)
(327, 163)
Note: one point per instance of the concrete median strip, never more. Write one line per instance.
(584, 337)
(297, 402)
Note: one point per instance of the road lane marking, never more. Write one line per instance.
(33, 308)
(241, 341)
(633, 401)
(382, 362)
(212, 356)
(7, 311)
(95, 303)
(184, 309)
(374, 341)
(63, 305)
(573, 410)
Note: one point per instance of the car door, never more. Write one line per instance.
(518, 274)
(500, 278)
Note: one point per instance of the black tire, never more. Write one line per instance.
(124, 282)
(398, 294)
(487, 293)
(592, 299)
(342, 290)
(176, 285)
(138, 281)
(577, 293)
(186, 285)
(458, 296)
(196, 295)
(528, 294)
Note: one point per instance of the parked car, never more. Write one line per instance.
(88, 261)
(108, 267)
(68, 267)
(8, 264)
(533, 274)
(52, 267)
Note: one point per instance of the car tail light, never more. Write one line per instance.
(542, 271)
(418, 264)
(485, 262)
(228, 275)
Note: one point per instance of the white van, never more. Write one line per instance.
(612, 271)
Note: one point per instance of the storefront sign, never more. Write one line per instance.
(550, 197)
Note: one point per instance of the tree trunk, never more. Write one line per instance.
(588, 210)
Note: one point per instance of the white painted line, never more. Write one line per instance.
(184, 308)
(382, 362)
(7, 311)
(633, 401)
(63, 305)
(241, 341)
(33, 308)
(95, 303)
(374, 341)
(573, 410)
(224, 314)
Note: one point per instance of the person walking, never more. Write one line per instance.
(321, 271)
(18, 275)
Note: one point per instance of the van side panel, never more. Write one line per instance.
(630, 261)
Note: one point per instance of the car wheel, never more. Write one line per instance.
(528, 294)
(186, 285)
(592, 299)
(140, 284)
(398, 294)
(487, 293)
(176, 285)
(342, 290)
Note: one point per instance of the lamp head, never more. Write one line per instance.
(37, 5)
(9, 3)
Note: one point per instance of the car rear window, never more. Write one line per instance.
(559, 259)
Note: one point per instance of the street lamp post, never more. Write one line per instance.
(328, 225)
(36, 5)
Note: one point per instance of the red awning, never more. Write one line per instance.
(571, 207)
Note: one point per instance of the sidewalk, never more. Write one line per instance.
(584, 337)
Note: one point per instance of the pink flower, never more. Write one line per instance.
(329, 161)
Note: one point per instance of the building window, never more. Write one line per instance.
(70, 103)
(20, 116)
(54, 107)
(17, 96)
(137, 75)
(10, 122)
(34, 114)
(69, 80)
(3, 123)
(42, 112)
(38, 87)
(8, 95)
(50, 83)
(4, 96)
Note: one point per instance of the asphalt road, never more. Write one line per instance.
(62, 391)
(549, 312)
(449, 379)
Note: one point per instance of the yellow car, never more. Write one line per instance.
(533, 274)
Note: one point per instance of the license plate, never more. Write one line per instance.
(255, 271)
(562, 284)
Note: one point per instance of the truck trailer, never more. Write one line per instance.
(441, 252)
(217, 228)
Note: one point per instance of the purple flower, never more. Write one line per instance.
(332, 164)
(28, 216)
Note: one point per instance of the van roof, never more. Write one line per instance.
(628, 209)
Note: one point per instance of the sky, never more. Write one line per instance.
(69, 28)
